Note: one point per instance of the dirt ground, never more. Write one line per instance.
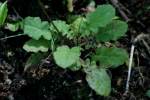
(52, 83)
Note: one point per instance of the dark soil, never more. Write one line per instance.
(52, 83)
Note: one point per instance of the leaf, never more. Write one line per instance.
(97, 78)
(62, 28)
(13, 26)
(70, 5)
(79, 27)
(99, 81)
(110, 57)
(76, 66)
(34, 60)
(65, 56)
(75, 25)
(112, 31)
(35, 28)
(91, 6)
(148, 93)
(102, 16)
(3, 13)
(37, 45)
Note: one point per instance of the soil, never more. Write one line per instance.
(52, 83)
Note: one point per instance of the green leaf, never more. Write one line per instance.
(110, 57)
(65, 56)
(75, 25)
(79, 27)
(34, 60)
(99, 81)
(70, 5)
(148, 93)
(76, 66)
(13, 26)
(35, 28)
(97, 78)
(112, 31)
(3, 13)
(37, 45)
(62, 28)
(102, 16)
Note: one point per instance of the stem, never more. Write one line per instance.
(12, 36)
(43, 9)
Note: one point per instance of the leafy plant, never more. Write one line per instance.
(67, 43)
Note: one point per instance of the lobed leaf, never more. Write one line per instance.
(37, 45)
(35, 28)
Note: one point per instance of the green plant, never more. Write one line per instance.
(3, 13)
(147, 93)
(80, 45)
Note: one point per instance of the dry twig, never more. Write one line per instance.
(137, 39)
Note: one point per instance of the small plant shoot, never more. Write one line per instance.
(66, 42)
(99, 25)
